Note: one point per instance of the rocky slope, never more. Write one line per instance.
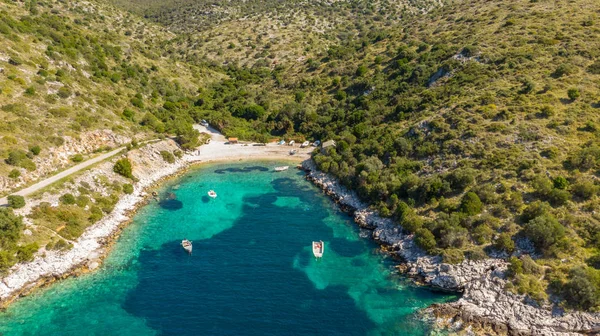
(485, 304)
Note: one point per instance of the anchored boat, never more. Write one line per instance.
(318, 248)
(187, 245)
(212, 194)
(282, 168)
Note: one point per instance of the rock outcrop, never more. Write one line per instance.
(485, 304)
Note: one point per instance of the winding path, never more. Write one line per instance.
(52, 179)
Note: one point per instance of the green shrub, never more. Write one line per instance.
(573, 93)
(16, 201)
(544, 231)
(67, 199)
(582, 290)
(82, 201)
(128, 188)
(585, 189)
(453, 256)
(77, 158)
(167, 156)
(560, 182)
(471, 204)
(15, 173)
(482, 234)
(361, 71)
(19, 158)
(25, 252)
(515, 267)
(123, 168)
(35, 150)
(535, 209)
(559, 197)
(504, 243)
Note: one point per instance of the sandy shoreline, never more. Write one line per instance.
(93, 245)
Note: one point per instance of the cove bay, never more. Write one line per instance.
(252, 271)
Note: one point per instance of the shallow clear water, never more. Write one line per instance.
(252, 271)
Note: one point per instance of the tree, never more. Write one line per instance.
(361, 70)
(425, 239)
(573, 93)
(16, 201)
(250, 112)
(544, 231)
(123, 168)
(560, 182)
(582, 291)
(10, 227)
(471, 204)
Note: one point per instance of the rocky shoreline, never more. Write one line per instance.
(485, 307)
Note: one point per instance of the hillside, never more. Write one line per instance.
(473, 124)
(81, 71)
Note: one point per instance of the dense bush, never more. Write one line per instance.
(425, 239)
(128, 188)
(582, 290)
(15, 173)
(123, 167)
(544, 231)
(16, 201)
(471, 204)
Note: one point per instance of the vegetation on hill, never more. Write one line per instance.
(474, 125)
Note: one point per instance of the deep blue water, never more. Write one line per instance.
(252, 271)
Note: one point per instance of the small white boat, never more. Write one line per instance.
(293, 151)
(318, 248)
(212, 193)
(291, 143)
(305, 144)
(282, 168)
(282, 142)
(187, 245)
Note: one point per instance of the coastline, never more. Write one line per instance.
(485, 305)
(94, 244)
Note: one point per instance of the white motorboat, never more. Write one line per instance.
(187, 245)
(282, 168)
(212, 193)
(291, 143)
(293, 151)
(318, 248)
(305, 144)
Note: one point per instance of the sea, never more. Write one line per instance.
(252, 271)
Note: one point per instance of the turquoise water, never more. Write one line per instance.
(252, 271)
